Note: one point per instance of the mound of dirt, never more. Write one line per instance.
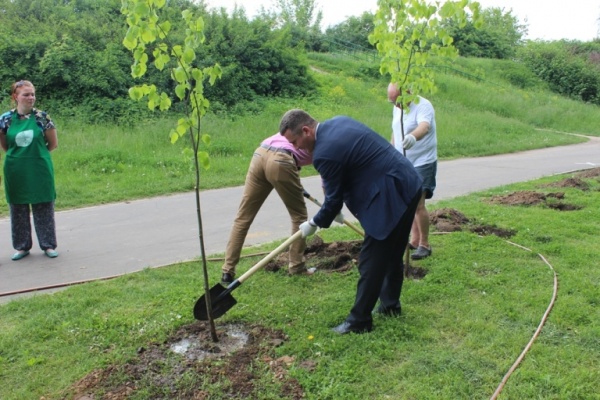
(450, 220)
(524, 198)
(334, 257)
(167, 374)
(486, 230)
(447, 220)
(575, 183)
(589, 173)
(528, 198)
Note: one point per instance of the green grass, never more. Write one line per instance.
(462, 327)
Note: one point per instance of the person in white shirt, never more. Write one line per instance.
(419, 145)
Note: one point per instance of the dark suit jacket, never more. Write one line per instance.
(362, 169)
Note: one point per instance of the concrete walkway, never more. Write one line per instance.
(114, 239)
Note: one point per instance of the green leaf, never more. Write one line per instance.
(187, 15)
(179, 75)
(199, 25)
(164, 30)
(182, 126)
(138, 70)
(136, 93)
(149, 35)
(173, 136)
(130, 40)
(188, 55)
(177, 51)
(204, 159)
(197, 74)
(180, 91)
(206, 139)
(165, 102)
(148, 89)
(141, 8)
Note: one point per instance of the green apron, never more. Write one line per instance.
(28, 170)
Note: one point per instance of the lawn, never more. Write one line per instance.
(464, 323)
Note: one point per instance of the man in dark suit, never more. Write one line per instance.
(379, 186)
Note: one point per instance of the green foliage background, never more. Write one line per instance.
(72, 51)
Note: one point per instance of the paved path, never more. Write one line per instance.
(108, 240)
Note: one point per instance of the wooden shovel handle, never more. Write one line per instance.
(346, 222)
(354, 228)
(270, 256)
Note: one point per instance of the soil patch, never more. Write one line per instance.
(486, 230)
(450, 220)
(529, 198)
(589, 173)
(334, 257)
(164, 373)
(574, 182)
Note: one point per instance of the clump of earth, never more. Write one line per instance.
(335, 257)
(589, 173)
(451, 220)
(528, 198)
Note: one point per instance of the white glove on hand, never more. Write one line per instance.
(408, 142)
(339, 218)
(308, 228)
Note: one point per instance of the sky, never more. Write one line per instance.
(545, 19)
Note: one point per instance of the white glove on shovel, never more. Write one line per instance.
(308, 228)
(408, 142)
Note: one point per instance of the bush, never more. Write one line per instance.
(566, 70)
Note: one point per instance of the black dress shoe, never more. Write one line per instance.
(388, 312)
(227, 278)
(346, 327)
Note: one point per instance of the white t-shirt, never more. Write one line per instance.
(425, 150)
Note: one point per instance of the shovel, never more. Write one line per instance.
(346, 222)
(221, 298)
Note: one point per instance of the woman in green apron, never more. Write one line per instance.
(28, 136)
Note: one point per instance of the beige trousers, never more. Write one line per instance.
(269, 170)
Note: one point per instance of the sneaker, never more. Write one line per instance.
(227, 278)
(420, 253)
(308, 271)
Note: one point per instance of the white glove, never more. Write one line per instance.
(339, 218)
(308, 228)
(408, 142)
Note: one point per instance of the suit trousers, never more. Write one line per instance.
(269, 170)
(43, 219)
(382, 270)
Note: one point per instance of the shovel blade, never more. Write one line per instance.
(221, 302)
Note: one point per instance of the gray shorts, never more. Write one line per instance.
(427, 173)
